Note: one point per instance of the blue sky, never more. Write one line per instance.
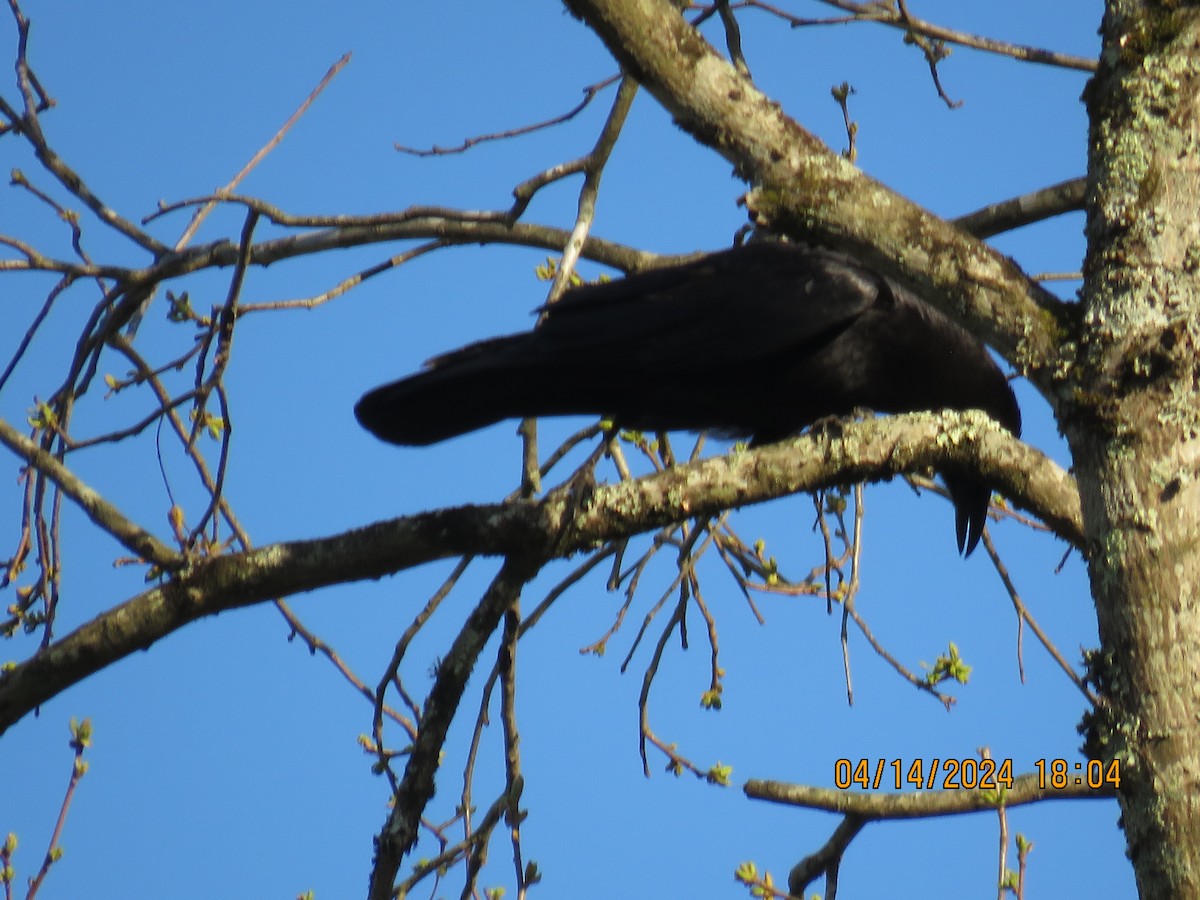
(225, 759)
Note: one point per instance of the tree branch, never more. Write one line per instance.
(416, 788)
(555, 526)
(887, 14)
(337, 233)
(106, 516)
(825, 861)
(1045, 203)
(804, 189)
(916, 804)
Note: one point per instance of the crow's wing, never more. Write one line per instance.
(727, 309)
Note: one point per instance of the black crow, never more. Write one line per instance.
(759, 341)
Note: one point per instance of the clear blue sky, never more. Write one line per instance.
(225, 760)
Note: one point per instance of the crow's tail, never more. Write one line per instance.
(971, 498)
(464, 390)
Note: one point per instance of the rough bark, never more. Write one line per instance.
(562, 523)
(1125, 391)
(1134, 428)
(801, 187)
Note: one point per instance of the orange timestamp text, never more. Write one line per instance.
(947, 774)
(1092, 773)
(970, 774)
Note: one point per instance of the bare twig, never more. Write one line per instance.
(346, 284)
(392, 672)
(841, 95)
(28, 125)
(110, 519)
(911, 677)
(81, 739)
(514, 781)
(202, 213)
(887, 14)
(593, 169)
(416, 787)
(1025, 617)
(589, 94)
(850, 591)
(317, 645)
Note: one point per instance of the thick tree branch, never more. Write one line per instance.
(916, 804)
(803, 188)
(556, 526)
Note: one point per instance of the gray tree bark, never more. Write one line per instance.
(1121, 369)
(1134, 428)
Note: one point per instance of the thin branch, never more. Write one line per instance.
(38, 319)
(684, 582)
(36, 97)
(202, 213)
(1024, 616)
(468, 847)
(593, 168)
(733, 38)
(316, 645)
(589, 94)
(106, 516)
(514, 781)
(827, 860)
(399, 834)
(1002, 821)
(911, 677)
(81, 738)
(346, 284)
(935, 50)
(391, 673)
(585, 212)
(452, 226)
(841, 95)
(849, 590)
(122, 345)
(1036, 206)
(887, 14)
(29, 126)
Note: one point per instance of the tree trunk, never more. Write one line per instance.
(1133, 421)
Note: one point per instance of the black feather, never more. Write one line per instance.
(759, 341)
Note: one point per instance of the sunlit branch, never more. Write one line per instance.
(917, 804)
(1036, 206)
(200, 214)
(888, 14)
(825, 861)
(1025, 617)
(28, 125)
(870, 449)
(589, 94)
(804, 189)
(416, 788)
(132, 536)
